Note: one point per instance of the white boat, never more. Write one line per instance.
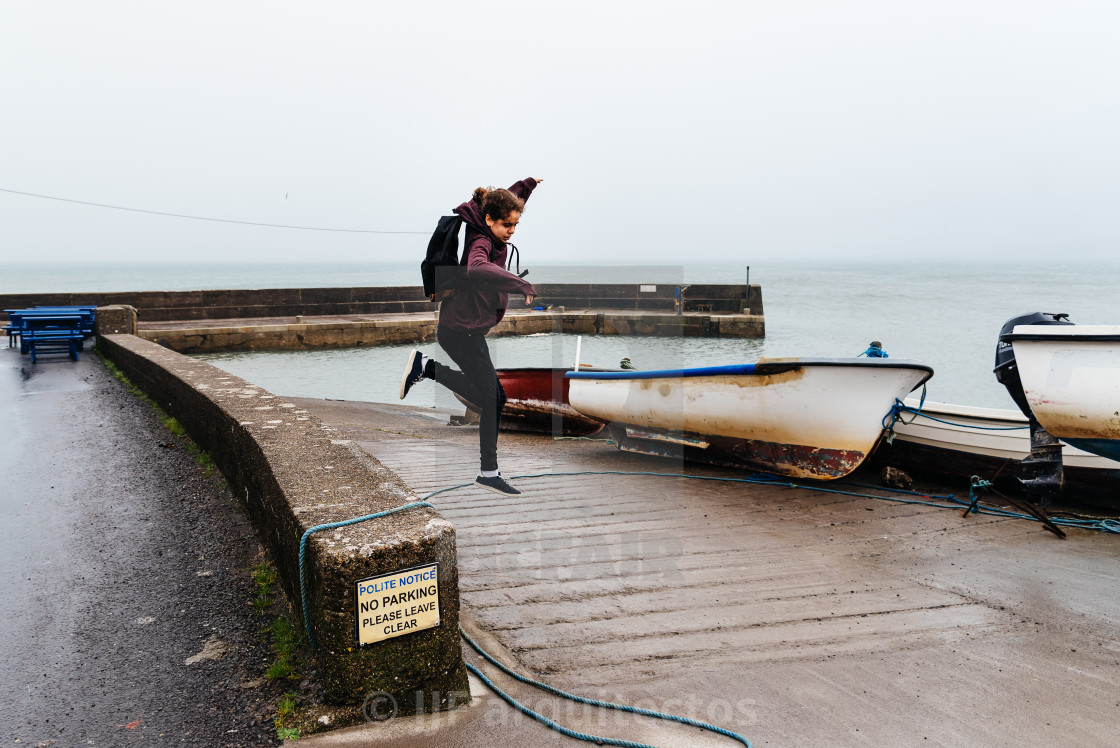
(798, 417)
(959, 441)
(1071, 378)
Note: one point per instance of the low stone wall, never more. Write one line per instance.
(347, 334)
(115, 320)
(262, 337)
(294, 473)
(165, 306)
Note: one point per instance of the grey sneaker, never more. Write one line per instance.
(497, 484)
(413, 372)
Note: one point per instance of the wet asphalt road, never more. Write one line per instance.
(119, 560)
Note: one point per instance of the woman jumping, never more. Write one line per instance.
(465, 317)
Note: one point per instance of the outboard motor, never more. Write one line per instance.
(1046, 450)
(1006, 372)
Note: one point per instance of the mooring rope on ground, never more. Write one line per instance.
(581, 700)
(946, 501)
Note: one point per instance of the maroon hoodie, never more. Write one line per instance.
(480, 302)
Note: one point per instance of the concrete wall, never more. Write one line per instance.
(346, 334)
(293, 473)
(114, 320)
(164, 306)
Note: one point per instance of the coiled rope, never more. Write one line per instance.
(974, 495)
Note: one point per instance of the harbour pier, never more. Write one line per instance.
(279, 319)
(824, 613)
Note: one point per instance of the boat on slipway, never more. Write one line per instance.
(1070, 378)
(956, 442)
(813, 418)
(537, 401)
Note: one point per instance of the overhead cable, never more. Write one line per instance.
(205, 218)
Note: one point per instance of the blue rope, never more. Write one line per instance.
(331, 526)
(582, 700)
(1105, 525)
(900, 407)
(903, 490)
(1102, 525)
(947, 502)
(974, 495)
(893, 414)
(951, 501)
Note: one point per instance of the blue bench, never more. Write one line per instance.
(15, 324)
(85, 312)
(51, 332)
(12, 328)
(16, 318)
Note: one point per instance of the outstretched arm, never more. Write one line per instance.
(485, 274)
(525, 187)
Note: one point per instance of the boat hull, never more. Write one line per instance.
(797, 417)
(1109, 448)
(959, 441)
(537, 402)
(783, 459)
(1071, 379)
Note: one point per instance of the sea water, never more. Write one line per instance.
(945, 315)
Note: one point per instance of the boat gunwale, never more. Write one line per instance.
(536, 369)
(764, 367)
(1017, 337)
(938, 409)
(1070, 333)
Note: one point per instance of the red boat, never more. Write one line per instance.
(537, 401)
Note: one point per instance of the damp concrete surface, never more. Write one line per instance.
(793, 616)
(124, 573)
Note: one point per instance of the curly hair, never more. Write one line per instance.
(497, 204)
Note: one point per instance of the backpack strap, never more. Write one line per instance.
(441, 257)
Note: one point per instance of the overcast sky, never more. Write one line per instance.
(665, 132)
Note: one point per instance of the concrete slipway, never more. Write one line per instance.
(795, 617)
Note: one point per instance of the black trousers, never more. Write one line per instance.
(477, 382)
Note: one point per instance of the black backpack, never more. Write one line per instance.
(440, 268)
